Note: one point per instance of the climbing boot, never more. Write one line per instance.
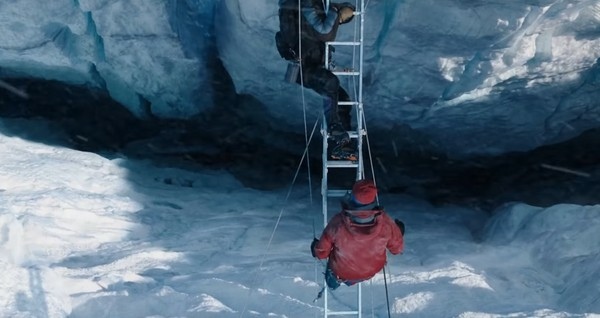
(345, 151)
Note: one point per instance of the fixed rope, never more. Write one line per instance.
(308, 139)
(303, 96)
(387, 295)
(305, 154)
(358, 36)
(279, 217)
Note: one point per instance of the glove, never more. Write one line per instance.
(312, 247)
(345, 12)
(400, 225)
(339, 6)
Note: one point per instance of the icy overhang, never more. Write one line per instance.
(482, 77)
(149, 55)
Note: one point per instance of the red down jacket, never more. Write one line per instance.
(356, 251)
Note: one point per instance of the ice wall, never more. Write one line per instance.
(137, 50)
(474, 77)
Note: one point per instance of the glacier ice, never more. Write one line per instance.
(476, 78)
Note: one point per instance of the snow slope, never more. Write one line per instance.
(82, 235)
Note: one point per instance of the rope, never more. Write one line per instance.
(303, 94)
(354, 58)
(353, 83)
(305, 154)
(372, 298)
(306, 139)
(370, 155)
(387, 296)
(287, 197)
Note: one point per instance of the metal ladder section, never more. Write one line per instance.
(360, 131)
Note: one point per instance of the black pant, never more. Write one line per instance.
(325, 83)
(334, 282)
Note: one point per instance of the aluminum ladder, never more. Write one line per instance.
(357, 166)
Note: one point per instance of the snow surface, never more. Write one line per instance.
(82, 235)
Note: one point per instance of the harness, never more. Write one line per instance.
(363, 217)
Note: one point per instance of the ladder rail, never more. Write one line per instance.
(358, 135)
(360, 113)
(324, 180)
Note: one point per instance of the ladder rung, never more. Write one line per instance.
(341, 313)
(342, 164)
(336, 193)
(344, 43)
(348, 103)
(352, 134)
(347, 73)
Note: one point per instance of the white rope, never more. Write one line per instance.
(287, 197)
(370, 155)
(354, 58)
(305, 154)
(303, 94)
(307, 141)
(372, 297)
(289, 192)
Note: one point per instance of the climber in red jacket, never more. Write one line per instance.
(356, 239)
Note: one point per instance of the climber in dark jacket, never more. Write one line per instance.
(319, 26)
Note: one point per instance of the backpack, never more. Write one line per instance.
(287, 37)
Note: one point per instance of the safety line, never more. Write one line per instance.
(303, 94)
(262, 261)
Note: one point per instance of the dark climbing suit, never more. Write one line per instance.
(319, 27)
